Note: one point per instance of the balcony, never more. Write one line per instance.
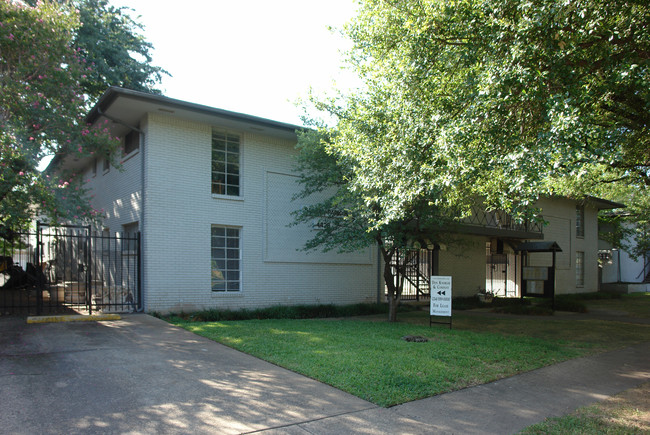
(501, 224)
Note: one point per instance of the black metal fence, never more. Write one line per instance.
(69, 269)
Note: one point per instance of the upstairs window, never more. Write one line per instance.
(580, 221)
(131, 142)
(225, 163)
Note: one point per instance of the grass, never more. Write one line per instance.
(371, 361)
(626, 413)
(367, 357)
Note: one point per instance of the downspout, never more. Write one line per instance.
(143, 150)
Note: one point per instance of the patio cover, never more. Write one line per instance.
(538, 247)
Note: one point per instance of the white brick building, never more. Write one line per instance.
(211, 193)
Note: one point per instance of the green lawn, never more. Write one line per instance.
(367, 357)
(371, 361)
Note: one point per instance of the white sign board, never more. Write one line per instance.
(440, 295)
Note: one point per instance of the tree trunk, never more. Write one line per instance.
(394, 291)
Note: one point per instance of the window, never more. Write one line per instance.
(225, 163)
(580, 221)
(226, 259)
(129, 238)
(580, 269)
(131, 142)
(94, 167)
(107, 163)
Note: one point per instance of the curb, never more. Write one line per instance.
(72, 318)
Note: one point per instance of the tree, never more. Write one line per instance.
(111, 42)
(41, 111)
(56, 59)
(496, 99)
(347, 221)
(493, 102)
(116, 52)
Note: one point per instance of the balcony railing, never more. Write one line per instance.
(500, 222)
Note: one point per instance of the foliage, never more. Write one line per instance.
(57, 57)
(371, 361)
(348, 218)
(41, 112)
(528, 91)
(497, 101)
(112, 44)
(281, 312)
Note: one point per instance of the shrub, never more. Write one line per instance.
(281, 312)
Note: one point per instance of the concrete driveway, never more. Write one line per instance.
(140, 375)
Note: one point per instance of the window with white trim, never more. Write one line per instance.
(226, 259)
(225, 163)
(580, 269)
(580, 221)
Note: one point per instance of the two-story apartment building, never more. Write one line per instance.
(211, 193)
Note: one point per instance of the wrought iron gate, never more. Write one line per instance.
(66, 268)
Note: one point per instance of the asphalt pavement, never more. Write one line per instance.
(140, 375)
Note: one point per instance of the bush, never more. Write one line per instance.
(282, 312)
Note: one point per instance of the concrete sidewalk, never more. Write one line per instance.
(142, 375)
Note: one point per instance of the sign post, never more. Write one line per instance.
(440, 291)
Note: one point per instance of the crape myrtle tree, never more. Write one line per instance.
(50, 72)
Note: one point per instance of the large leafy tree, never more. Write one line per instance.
(490, 101)
(494, 99)
(56, 58)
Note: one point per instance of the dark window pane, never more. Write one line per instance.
(233, 264)
(232, 158)
(233, 147)
(232, 190)
(233, 168)
(218, 231)
(219, 156)
(218, 188)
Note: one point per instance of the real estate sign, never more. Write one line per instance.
(440, 295)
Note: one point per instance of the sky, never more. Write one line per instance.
(258, 57)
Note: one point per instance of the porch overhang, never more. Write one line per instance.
(547, 246)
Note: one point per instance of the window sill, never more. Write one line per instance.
(129, 156)
(226, 294)
(228, 197)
